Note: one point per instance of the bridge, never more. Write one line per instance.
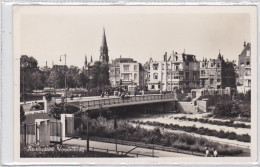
(113, 102)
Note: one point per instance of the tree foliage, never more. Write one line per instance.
(100, 74)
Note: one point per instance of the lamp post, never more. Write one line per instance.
(65, 78)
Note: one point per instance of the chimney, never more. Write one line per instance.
(165, 57)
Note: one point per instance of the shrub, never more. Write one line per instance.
(232, 136)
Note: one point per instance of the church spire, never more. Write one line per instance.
(91, 60)
(219, 55)
(104, 49)
(86, 61)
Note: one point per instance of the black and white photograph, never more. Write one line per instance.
(154, 83)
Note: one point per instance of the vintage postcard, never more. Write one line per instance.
(160, 84)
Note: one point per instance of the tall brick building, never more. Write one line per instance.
(217, 73)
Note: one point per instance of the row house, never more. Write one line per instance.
(125, 72)
(175, 71)
(217, 73)
(244, 69)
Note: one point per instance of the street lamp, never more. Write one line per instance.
(65, 77)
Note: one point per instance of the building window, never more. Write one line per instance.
(155, 67)
(149, 76)
(176, 77)
(187, 64)
(126, 68)
(187, 75)
(249, 83)
(135, 76)
(248, 72)
(218, 65)
(218, 80)
(248, 63)
(155, 76)
(203, 65)
(176, 68)
(126, 77)
(135, 67)
(218, 73)
(162, 75)
(162, 66)
(212, 72)
(203, 72)
(152, 86)
(211, 81)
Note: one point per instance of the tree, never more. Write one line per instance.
(22, 114)
(28, 65)
(56, 78)
(73, 78)
(100, 75)
(37, 79)
(56, 110)
(84, 80)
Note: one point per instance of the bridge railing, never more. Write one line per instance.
(128, 99)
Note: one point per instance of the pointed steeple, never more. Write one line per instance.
(91, 60)
(219, 55)
(104, 49)
(104, 39)
(86, 61)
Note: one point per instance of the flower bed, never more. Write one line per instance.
(215, 122)
(201, 131)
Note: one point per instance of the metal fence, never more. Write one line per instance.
(148, 146)
(110, 151)
(28, 134)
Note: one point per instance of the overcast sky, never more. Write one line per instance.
(136, 32)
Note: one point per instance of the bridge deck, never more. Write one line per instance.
(127, 101)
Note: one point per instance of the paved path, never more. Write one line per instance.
(169, 119)
(124, 148)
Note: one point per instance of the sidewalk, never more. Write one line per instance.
(124, 148)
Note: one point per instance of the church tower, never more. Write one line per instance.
(104, 58)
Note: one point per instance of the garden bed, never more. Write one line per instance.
(201, 130)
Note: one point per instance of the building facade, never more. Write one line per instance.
(125, 72)
(178, 71)
(217, 73)
(244, 69)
